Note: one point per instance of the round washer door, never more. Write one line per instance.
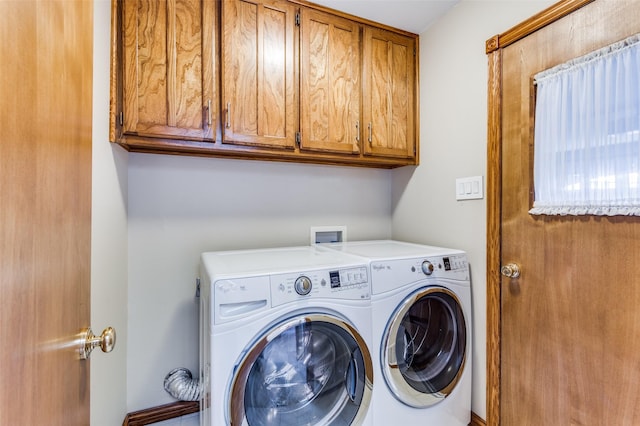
(423, 348)
(311, 369)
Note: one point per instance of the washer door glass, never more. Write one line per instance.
(310, 370)
(424, 347)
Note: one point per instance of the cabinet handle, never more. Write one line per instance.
(209, 112)
(370, 135)
(228, 123)
(357, 131)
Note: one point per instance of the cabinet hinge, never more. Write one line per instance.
(298, 139)
(121, 118)
(297, 19)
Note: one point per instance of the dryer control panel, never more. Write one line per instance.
(387, 275)
(346, 283)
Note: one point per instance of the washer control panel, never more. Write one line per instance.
(345, 283)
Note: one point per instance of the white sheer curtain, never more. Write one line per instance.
(587, 134)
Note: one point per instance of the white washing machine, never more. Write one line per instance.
(421, 310)
(284, 338)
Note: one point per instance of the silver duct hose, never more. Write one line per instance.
(180, 384)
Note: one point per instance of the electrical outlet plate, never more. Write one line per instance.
(327, 234)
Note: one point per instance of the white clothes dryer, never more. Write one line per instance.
(421, 317)
(284, 338)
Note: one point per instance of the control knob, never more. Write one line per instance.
(427, 267)
(302, 285)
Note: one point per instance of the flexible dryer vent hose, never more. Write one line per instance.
(181, 385)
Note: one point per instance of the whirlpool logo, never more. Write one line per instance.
(378, 268)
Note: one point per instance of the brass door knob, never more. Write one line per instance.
(510, 270)
(106, 341)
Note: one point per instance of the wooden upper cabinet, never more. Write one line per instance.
(389, 93)
(329, 82)
(168, 58)
(258, 102)
(168, 69)
(277, 80)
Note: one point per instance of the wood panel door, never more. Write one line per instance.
(45, 210)
(258, 73)
(329, 82)
(169, 69)
(566, 336)
(389, 93)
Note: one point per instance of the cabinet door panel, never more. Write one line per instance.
(169, 69)
(330, 78)
(401, 94)
(274, 76)
(241, 70)
(389, 94)
(258, 73)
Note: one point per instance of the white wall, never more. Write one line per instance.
(182, 206)
(108, 241)
(453, 143)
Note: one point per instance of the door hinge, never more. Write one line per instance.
(298, 139)
(297, 19)
(121, 118)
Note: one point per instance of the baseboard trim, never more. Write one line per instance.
(161, 413)
(476, 420)
(183, 408)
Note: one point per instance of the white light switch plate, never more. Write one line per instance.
(469, 188)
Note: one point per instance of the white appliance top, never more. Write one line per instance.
(390, 249)
(275, 261)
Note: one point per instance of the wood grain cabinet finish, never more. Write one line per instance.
(389, 93)
(258, 73)
(330, 88)
(168, 69)
(275, 80)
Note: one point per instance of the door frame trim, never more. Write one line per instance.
(493, 48)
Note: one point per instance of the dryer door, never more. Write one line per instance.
(423, 348)
(312, 369)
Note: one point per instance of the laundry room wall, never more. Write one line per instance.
(108, 240)
(453, 144)
(182, 206)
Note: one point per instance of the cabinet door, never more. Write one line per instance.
(258, 73)
(389, 93)
(329, 82)
(169, 89)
